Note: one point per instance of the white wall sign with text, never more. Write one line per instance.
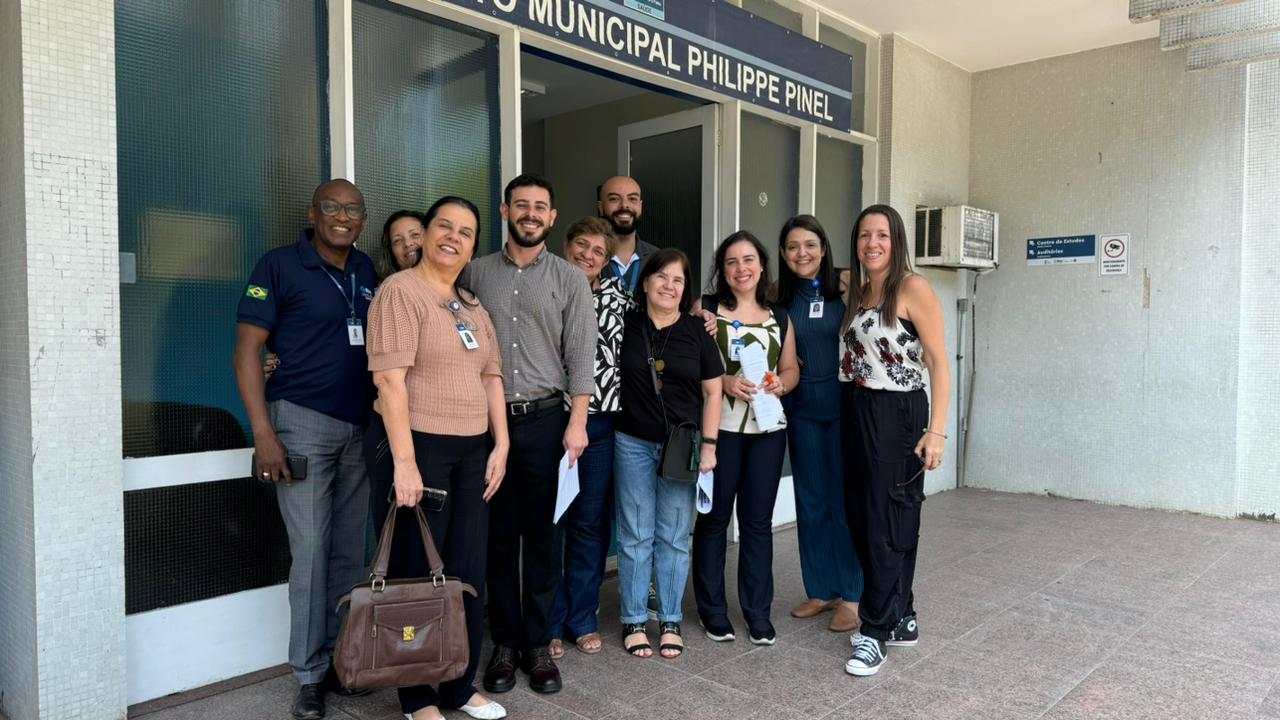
(1115, 255)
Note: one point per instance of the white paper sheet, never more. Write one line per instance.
(706, 488)
(767, 407)
(567, 489)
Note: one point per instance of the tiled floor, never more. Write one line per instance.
(1030, 607)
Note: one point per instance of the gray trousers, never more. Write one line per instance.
(326, 516)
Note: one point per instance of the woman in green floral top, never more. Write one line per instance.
(749, 456)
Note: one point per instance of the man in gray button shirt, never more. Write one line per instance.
(542, 311)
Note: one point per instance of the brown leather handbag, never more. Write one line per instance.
(404, 632)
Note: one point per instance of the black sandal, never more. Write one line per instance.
(671, 628)
(630, 629)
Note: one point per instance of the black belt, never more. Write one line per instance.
(532, 406)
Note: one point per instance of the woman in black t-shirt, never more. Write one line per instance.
(654, 514)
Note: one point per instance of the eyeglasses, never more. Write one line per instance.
(913, 477)
(331, 208)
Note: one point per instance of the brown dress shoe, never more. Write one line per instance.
(846, 617)
(500, 676)
(813, 607)
(544, 676)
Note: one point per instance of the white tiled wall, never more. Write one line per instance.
(17, 535)
(924, 160)
(1258, 415)
(1113, 389)
(68, 375)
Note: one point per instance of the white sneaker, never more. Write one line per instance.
(868, 656)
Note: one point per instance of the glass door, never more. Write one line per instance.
(673, 158)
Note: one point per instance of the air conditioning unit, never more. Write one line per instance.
(958, 236)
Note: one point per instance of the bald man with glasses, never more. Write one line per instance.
(308, 303)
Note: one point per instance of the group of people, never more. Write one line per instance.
(437, 378)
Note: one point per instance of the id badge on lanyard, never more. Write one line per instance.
(355, 328)
(736, 343)
(468, 338)
(816, 307)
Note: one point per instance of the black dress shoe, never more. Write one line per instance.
(309, 705)
(500, 676)
(544, 676)
(335, 686)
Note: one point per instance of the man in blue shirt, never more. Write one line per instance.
(620, 203)
(308, 303)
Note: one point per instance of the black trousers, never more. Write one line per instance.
(456, 465)
(748, 467)
(525, 546)
(880, 430)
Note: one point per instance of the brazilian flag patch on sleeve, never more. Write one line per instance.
(257, 293)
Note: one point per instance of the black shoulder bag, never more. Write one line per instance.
(682, 450)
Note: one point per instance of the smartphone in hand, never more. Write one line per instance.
(297, 467)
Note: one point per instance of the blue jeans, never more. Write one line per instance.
(654, 517)
(586, 534)
(828, 563)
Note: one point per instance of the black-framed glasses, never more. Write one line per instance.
(331, 207)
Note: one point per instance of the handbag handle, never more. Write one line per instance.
(382, 558)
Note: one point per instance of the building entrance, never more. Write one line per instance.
(582, 126)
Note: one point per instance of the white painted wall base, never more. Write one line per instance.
(191, 645)
(784, 508)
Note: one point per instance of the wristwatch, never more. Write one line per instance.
(709, 441)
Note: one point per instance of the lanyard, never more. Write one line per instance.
(455, 307)
(815, 285)
(351, 301)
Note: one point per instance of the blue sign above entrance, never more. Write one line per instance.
(707, 43)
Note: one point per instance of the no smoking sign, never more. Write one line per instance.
(1115, 255)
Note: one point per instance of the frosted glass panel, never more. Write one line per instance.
(839, 193)
(858, 51)
(775, 13)
(222, 132)
(669, 169)
(426, 120)
(769, 190)
(222, 136)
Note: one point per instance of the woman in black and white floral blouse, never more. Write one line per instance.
(891, 336)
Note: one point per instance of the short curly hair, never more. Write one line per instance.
(594, 226)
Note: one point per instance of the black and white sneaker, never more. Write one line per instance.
(718, 630)
(907, 634)
(868, 656)
(762, 633)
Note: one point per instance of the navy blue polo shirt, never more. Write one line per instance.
(305, 303)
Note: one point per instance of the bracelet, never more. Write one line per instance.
(933, 432)
(709, 441)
